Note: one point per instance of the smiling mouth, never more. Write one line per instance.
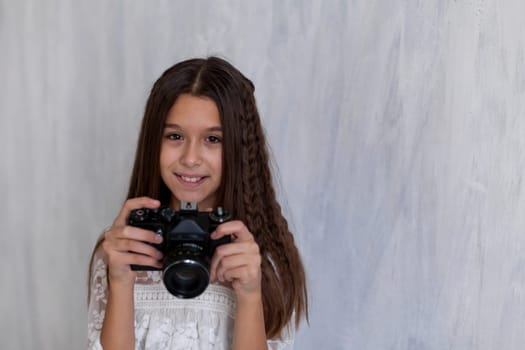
(191, 179)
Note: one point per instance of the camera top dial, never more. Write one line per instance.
(219, 215)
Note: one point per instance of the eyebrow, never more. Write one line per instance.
(176, 126)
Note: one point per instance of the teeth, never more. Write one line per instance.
(191, 179)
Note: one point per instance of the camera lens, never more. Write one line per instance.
(186, 278)
(185, 273)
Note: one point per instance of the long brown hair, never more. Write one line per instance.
(246, 190)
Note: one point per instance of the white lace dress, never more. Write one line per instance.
(164, 322)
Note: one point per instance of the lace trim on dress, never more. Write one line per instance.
(216, 298)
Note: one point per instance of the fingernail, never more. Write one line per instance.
(158, 238)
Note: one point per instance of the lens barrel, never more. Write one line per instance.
(186, 278)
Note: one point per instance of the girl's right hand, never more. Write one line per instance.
(127, 245)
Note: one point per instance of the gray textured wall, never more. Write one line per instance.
(397, 127)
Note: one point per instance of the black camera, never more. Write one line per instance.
(186, 245)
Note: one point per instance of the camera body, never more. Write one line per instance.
(186, 245)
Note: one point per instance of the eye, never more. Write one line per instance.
(213, 139)
(174, 137)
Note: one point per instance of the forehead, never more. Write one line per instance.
(189, 109)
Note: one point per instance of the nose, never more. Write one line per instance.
(191, 155)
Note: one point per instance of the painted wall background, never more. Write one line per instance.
(397, 128)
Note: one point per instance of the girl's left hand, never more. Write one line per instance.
(238, 262)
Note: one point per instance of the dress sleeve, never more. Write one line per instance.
(97, 300)
(285, 341)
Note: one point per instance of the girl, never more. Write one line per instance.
(201, 141)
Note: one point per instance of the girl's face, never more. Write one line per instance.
(191, 151)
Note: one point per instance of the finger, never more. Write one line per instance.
(140, 234)
(213, 267)
(111, 247)
(130, 238)
(128, 258)
(236, 228)
(232, 263)
(134, 203)
(246, 275)
(132, 233)
(237, 248)
(127, 245)
(232, 249)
